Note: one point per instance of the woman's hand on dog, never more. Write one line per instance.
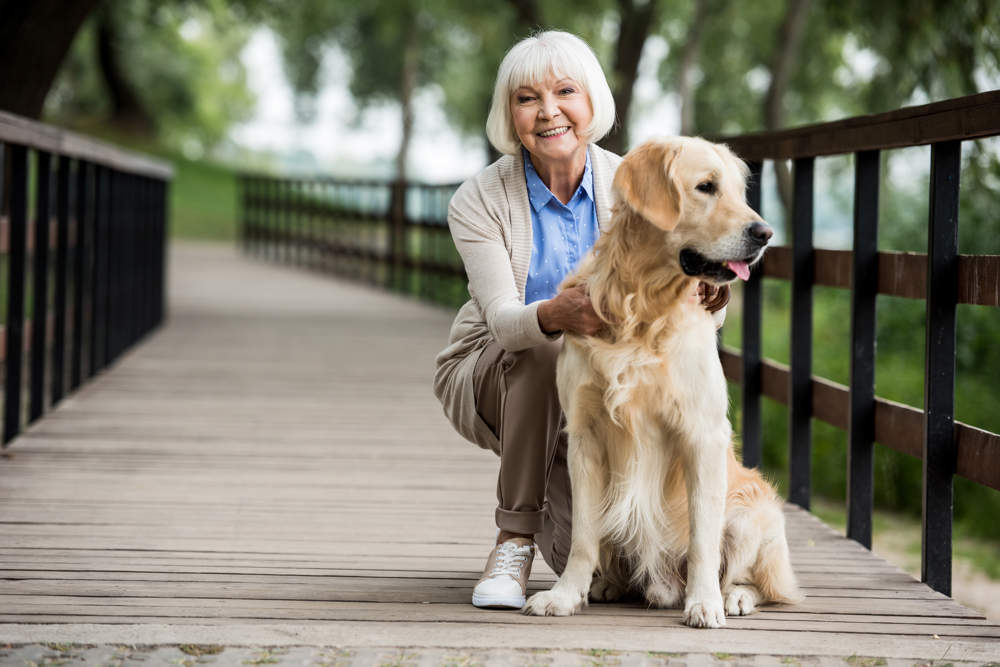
(570, 310)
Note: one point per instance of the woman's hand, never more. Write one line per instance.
(570, 310)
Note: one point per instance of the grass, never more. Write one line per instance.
(979, 553)
(203, 202)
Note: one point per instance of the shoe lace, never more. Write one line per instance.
(511, 559)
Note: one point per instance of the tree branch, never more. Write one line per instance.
(636, 21)
(789, 39)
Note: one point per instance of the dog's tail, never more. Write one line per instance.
(773, 570)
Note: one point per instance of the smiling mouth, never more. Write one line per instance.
(555, 132)
(697, 265)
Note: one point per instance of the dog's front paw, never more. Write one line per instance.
(604, 591)
(556, 602)
(705, 613)
(741, 600)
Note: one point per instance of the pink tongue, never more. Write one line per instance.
(739, 268)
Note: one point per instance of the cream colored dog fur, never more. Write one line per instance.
(660, 504)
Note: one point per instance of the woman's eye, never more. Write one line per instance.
(708, 187)
(524, 98)
(567, 91)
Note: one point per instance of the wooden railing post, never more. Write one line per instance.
(40, 284)
(939, 453)
(864, 287)
(81, 272)
(800, 377)
(62, 278)
(397, 235)
(752, 313)
(18, 156)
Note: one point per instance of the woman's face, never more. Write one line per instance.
(550, 118)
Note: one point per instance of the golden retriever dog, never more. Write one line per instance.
(661, 506)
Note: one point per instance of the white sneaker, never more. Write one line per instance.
(505, 578)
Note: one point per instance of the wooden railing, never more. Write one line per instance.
(360, 230)
(388, 234)
(941, 276)
(90, 218)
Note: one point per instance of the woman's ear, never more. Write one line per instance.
(646, 183)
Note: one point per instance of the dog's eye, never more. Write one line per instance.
(708, 187)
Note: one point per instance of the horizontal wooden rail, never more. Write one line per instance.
(901, 274)
(897, 426)
(32, 134)
(962, 118)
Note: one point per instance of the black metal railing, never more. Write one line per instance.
(941, 276)
(359, 229)
(394, 235)
(87, 222)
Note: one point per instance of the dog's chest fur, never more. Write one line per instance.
(644, 505)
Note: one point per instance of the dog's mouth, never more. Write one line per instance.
(694, 264)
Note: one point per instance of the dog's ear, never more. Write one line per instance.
(645, 182)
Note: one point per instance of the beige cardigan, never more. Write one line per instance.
(490, 222)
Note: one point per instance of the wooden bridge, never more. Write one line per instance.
(263, 462)
(270, 467)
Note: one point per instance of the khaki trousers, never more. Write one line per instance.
(516, 396)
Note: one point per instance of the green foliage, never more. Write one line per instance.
(180, 58)
(202, 202)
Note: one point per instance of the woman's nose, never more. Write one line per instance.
(549, 107)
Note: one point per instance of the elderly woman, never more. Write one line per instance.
(521, 225)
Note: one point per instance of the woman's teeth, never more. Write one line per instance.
(552, 133)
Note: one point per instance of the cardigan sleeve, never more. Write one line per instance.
(474, 218)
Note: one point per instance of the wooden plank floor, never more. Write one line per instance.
(271, 467)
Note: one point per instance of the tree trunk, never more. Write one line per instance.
(528, 17)
(789, 39)
(127, 110)
(34, 38)
(407, 87)
(636, 21)
(408, 84)
(689, 57)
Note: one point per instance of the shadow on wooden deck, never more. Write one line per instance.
(272, 468)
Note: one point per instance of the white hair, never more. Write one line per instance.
(532, 60)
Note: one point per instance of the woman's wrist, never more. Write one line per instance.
(547, 319)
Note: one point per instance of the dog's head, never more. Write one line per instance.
(694, 191)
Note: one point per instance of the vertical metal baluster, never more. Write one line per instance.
(97, 281)
(939, 452)
(294, 225)
(149, 228)
(162, 234)
(864, 288)
(83, 203)
(242, 236)
(40, 286)
(130, 251)
(752, 315)
(800, 375)
(114, 259)
(288, 226)
(15, 296)
(62, 273)
(276, 221)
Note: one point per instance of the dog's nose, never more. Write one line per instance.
(760, 232)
